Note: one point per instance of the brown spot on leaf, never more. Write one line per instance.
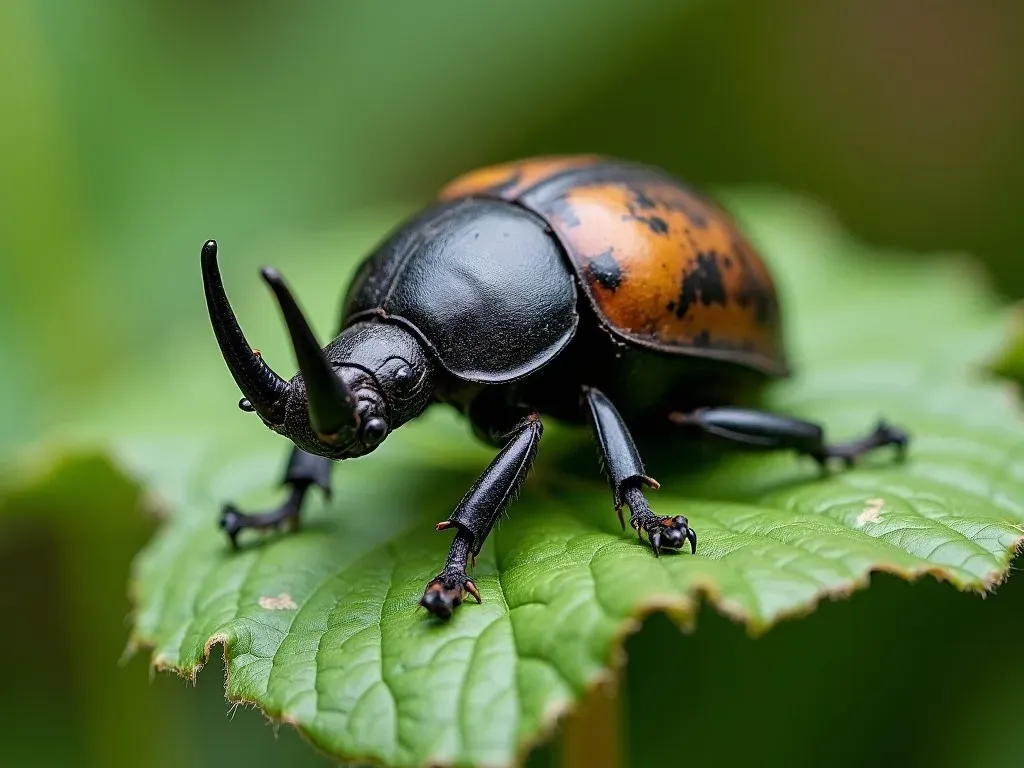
(282, 602)
(872, 511)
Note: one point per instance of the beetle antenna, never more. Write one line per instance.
(331, 403)
(263, 389)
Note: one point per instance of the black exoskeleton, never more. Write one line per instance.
(476, 303)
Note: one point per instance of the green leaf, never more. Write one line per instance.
(321, 628)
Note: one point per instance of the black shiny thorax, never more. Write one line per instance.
(482, 283)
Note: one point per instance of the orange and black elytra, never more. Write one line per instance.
(663, 265)
(580, 288)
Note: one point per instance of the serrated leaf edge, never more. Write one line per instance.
(681, 609)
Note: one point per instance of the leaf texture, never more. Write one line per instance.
(321, 629)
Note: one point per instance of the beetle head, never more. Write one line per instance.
(346, 398)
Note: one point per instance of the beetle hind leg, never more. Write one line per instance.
(884, 435)
(761, 431)
(304, 471)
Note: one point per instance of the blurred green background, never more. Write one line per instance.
(133, 130)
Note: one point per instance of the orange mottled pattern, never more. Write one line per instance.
(668, 269)
(509, 180)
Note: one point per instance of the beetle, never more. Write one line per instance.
(580, 288)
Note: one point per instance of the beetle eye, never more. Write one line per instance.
(374, 431)
(403, 377)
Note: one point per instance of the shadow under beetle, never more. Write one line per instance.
(475, 302)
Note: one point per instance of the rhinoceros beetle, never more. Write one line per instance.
(475, 302)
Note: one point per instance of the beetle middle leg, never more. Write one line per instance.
(761, 431)
(477, 513)
(304, 470)
(627, 477)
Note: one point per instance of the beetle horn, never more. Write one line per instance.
(331, 403)
(263, 388)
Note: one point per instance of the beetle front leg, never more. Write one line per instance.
(304, 470)
(446, 592)
(477, 513)
(760, 431)
(627, 477)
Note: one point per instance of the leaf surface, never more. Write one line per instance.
(321, 629)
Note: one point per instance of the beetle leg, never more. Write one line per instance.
(304, 470)
(446, 593)
(627, 476)
(619, 456)
(757, 430)
(656, 543)
(477, 513)
(662, 532)
(883, 435)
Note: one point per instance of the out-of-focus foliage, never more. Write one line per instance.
(1009, 363)
(134, 130)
